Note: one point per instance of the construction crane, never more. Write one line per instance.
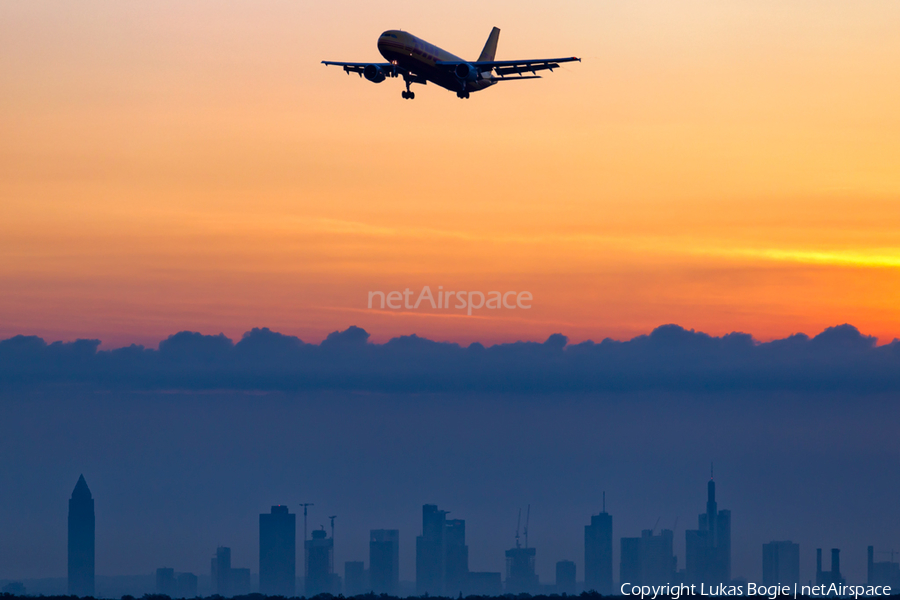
(527, 518)
(333, 517)
(518, 522)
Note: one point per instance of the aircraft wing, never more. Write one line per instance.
(358, 68)
(514, 67)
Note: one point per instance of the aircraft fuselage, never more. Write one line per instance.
(420, 57)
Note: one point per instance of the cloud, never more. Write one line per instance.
(669, 358)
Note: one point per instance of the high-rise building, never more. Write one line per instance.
(520, 575)
(319, 564)
(165, 582)
(832, 576)
(649, 559)
(781, 563)
(708, 548)
(220, 572)
(81, 540)
(882, 573)
(430, 552)
(355, 578)
(384, 561)
(456, 557)
(630, 561)
(565, 577)
(278, 552)
(598, 553)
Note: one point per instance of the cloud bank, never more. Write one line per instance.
(670, 358)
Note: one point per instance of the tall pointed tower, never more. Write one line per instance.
(81, 540)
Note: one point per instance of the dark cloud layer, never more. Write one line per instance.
(671, 357)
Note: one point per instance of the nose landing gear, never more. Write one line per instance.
(463, 95)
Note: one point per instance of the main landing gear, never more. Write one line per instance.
(408, 95)
(463, 95)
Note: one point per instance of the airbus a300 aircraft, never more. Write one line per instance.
(417, 61)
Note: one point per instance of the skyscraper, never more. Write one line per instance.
(781, 563)
(165, 582)
(220, 572)
(598, 548)
(384, 561)
(649, 559)
(708, 548)
(319, 564)
(278, 552)
(430, 552)
(81, 540)
(456, 557)
(520, 575)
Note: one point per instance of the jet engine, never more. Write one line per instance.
(466, 72)
(374, 73)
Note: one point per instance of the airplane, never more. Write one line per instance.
(417, 61)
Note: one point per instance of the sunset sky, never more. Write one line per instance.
(176, 166)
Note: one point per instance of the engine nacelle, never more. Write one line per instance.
(374, 73)
(466, 72)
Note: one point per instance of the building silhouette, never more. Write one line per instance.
(598, 553)
(456, 557)
(384, 561)
(356, 580)
(220, 572)
(185, 585)
(320, 564)
(781, 563)
(165, 582)
(649, 559)
(520, 575)
(442, 556)
(565, 577)
(81, 540)
(430, 552)
(832, 576)
(882, 573)
(708, 548)
(278, 552)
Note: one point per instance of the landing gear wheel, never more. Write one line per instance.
(462, 95)
(408, 95)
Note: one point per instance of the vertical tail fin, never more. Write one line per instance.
(490, 47)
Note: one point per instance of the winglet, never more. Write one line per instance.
(490, 47)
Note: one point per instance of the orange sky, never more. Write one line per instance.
(721, 165)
